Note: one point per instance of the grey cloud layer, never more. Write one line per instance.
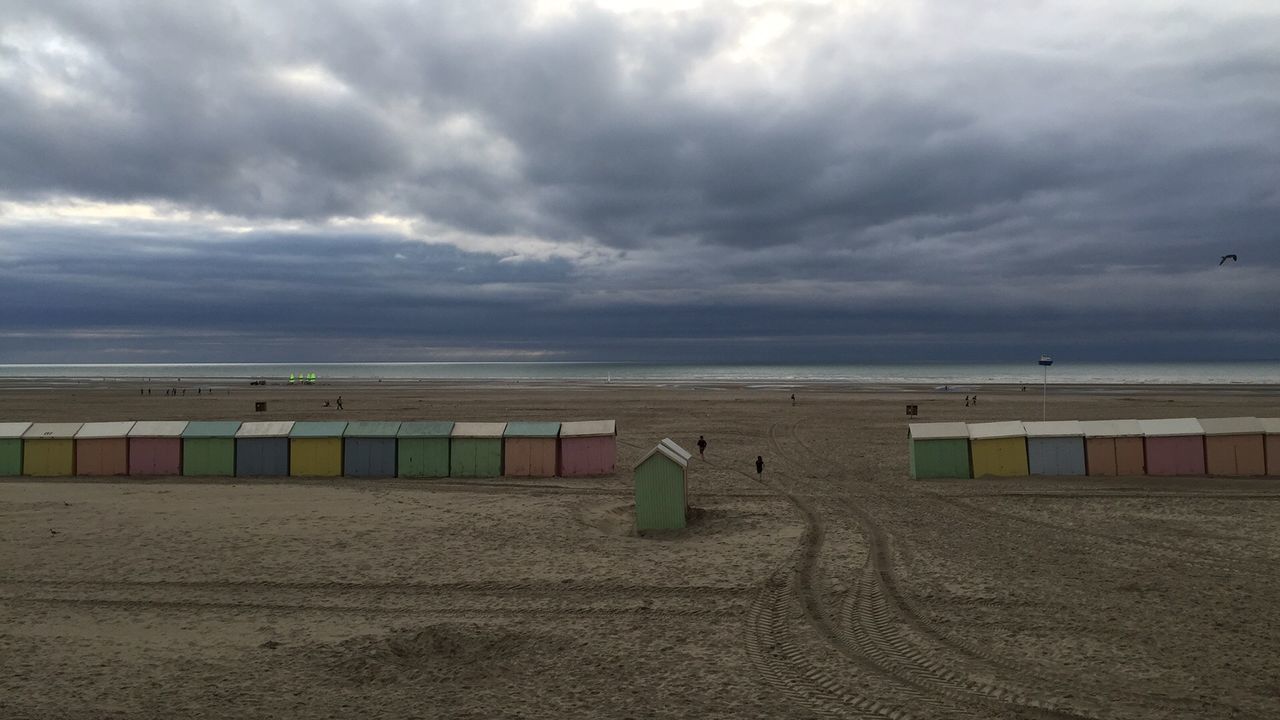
(940, 173)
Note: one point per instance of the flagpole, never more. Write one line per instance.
(1045, 362)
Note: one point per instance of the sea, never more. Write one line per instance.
(935, 374)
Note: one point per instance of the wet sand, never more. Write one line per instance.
(834, 587)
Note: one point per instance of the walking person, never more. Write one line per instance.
(702, 447)
(966, 401)
(793, 399)
(975, 401)
(759, 467)
(339, 402)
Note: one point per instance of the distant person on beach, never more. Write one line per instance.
(759, 466)
(966, 401)
(339, 402)
(702, 447)
(975, 400)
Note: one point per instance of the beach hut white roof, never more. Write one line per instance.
(478, 429)
(13, 429)
(669, 450)
(52, 431)
(996, 430)
(673, 447)
(1171, 427)
(1111, 428)
(158, 428)
(1232, 426)
(1270, 426)
(938, 430)
(268, 429)
(588, 428)
(99, 430)
(1053, 428)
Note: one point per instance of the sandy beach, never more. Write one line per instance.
(833, 587)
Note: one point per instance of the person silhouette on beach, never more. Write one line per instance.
(793, 399)
(975, 400)
(702, 447)
(339, 402)
(759, 466)
(966, 401)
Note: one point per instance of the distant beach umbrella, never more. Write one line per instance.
(1225, 258)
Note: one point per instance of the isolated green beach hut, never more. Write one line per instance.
(422, 449)
(475, 449)
(209, 448)
(369, 449)
(939, 450)
(11, 447)
(662, 493)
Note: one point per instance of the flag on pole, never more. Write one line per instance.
(1045, 360)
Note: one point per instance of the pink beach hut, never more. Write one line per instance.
(588, 447)
(1174, 446)
(155, 447)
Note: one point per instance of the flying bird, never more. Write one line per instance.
(1225, 258)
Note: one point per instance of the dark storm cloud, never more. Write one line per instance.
(917, 177)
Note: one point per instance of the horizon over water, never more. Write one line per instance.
(1100, 373)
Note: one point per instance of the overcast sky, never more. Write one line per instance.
(683, 181)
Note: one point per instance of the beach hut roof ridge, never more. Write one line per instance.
(52, 431)
(996, 430)
(1053, 428)
(266, 429)
(1171, 427)
(1232, 426)
(318, 429)
(530, 429)
(158, 428)
(588, 428)
(478, 429)
(1111, 428)
(13, 429)
(103, 430)
(667, 452)
(672, 446)
(372, 429)
(938, 430)
(211, 429)
(426, 429)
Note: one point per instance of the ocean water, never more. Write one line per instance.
(1232, 373)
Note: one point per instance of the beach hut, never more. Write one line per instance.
(369, 449)
(11, 447)
(1234, 447)
(998, 448)
(530, 448)
(48, 449)
(1174, 446)
(262, 449)
(588, 447)
(155, 447)
(475, 449)
(315, 449)
(102, 448)
(1113, 447)
(662, 487)
(938, 450)
(422, 449)
(209, 448)
(1055, 447)
(1271, 438)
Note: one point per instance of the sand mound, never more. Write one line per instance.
(440, 652)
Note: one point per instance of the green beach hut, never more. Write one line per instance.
(475, 449)
(209, 448)
(662, 492)
(11, 447)
(939, 450)
(422, 449)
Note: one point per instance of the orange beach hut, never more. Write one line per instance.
(1113, 447)
(1271, 430)
(530, 448)
(1234, 447)
(102, 448)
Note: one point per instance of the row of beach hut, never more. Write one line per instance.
(1230, 447)
(309, 449)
